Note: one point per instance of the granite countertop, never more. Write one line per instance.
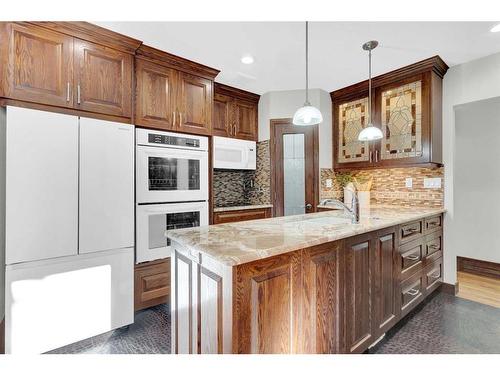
(246, 241)
(237, 208)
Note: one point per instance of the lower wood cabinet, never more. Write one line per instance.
(152, 283)
(337, 297)
(241, 215)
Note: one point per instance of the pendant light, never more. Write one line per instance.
(308, 114)
(370, 133)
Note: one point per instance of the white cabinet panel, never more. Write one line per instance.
(41, 185)
(52, 303)
(106, 185)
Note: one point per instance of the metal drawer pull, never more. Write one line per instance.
(412, 257)
(433, 246)
(412, 292)
(78, 101)
(412, 230)
(67, 93)
(173, 115)
(436, 275)
(371, 157)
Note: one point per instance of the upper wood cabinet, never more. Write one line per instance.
(235, 113)
(103, 78)
(406, 106)
(37, 64)
(67, 64)
(155, 95)
(194, 104)
(173, 93)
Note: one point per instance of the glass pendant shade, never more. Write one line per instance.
(307, 115)
(370, 133)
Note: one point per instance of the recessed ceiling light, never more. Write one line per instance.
(247, 59)
(495, 29)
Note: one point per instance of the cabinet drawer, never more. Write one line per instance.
(241, 215)
(411, 256)
(152, 283)
(433, 223)
(433, 276)
(411, 292)
(433, 243)
(411, 231)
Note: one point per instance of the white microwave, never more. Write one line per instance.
(230, 153)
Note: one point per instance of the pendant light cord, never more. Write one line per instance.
(307, 63)
(370, 86)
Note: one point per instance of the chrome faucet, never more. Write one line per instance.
(353, 210)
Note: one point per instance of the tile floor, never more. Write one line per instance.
(442, 324)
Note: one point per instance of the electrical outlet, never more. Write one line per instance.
(409, 182)
(432, 183)
(329, 182)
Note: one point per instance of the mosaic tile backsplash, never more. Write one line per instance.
(389, 186)
(239, 187)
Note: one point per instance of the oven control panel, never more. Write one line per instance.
(173, 141)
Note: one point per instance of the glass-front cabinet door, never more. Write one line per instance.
(401, 122)
(350, 117)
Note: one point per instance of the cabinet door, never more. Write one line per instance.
(155, 95)
(349, 118)
(41, 185)
(404, 119)
(322, 303)
(245, 121)
(359, 253)
(103, 79)
(194, 104)
(106, 185)
(222, 121)
(386, 281)
(152, 283)
(267, 303)
(39, 67)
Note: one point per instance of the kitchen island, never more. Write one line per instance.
(302, 284)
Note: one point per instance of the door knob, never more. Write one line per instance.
(309, 206)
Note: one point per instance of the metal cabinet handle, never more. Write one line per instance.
(180, 118)
(435, 275)
(412, 257)
(309, 206)
(412, 230)
(412, 292)
(433, 246)
(173, 115)
(371, 156)
(67, 93)
(78, 101)
(376, 156)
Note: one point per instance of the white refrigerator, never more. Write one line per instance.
(69, 228)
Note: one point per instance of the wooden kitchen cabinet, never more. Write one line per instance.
(155, 95)
(241, 215)
(235, 113)
(73, 65)
(36, 64)
(406, 106)
(103, 79)
(151, 284)
(173, 93)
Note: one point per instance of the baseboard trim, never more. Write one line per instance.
(478, 267)
(450, 288)
(2, 336)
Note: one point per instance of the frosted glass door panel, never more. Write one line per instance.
(293, 174)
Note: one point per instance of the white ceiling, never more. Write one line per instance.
(336, 59)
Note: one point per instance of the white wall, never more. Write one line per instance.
(283, 104)
(465, 83)
(477, 180)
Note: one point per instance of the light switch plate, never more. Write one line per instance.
(409, 182)
(329, 182)
(432, 183)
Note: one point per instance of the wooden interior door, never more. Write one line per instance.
(155, 95)
(245, 117)
(283, 188)
(222, 117)
(40, 66)
(103, 79)
(359, 253)
(194, 102)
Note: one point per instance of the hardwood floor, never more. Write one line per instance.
(480, 289)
